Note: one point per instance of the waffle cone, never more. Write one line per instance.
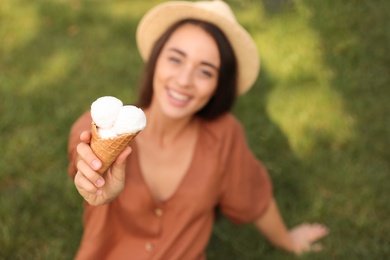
(108, 149)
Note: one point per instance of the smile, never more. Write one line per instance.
(178, 96)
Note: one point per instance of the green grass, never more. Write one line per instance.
(318, 117)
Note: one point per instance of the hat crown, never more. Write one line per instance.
(218, 7)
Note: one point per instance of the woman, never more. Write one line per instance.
(158, 202)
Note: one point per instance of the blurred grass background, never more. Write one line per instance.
(318, 117)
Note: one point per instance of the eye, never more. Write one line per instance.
(206, 73)
(174, 59)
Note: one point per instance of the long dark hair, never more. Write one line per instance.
(225, 94)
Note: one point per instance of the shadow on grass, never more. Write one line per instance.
(353, 178)
(355, 40)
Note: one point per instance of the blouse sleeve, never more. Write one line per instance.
(83, 123)
(247, 189)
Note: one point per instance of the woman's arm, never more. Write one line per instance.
(296, 240)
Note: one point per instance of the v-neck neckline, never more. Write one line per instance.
(181, 183)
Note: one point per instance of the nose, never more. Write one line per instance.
(184, 76)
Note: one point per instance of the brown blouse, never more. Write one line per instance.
(223, 172)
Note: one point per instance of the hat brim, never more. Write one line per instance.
(160, 18)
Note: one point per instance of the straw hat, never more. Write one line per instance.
(161, 17)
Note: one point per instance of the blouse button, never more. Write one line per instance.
(149, 247)
(158, 212)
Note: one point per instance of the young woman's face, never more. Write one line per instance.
(186, 73)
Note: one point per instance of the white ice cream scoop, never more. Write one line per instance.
(107, 133)
(130, 119)
(105, 110)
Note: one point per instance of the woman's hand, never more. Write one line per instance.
(93, 187)
(305, 236)
(300, 239)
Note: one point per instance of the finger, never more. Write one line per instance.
(121, 160)
(84, 150)
(92, 176)
(119, 165)
(84, 186)
(85, 136)
(317, 231)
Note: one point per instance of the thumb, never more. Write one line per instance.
(118, 167)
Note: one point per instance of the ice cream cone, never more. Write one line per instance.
(108, 149)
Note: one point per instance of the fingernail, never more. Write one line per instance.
(99, 192)
(96, 164)
(100, 182)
